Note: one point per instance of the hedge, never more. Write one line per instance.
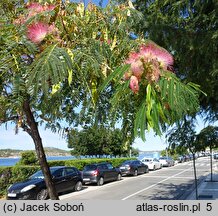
(10, 175)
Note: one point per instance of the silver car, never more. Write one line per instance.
(166, 161)
(153, 163)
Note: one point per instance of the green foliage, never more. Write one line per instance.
(79, 63)
(157, 104)
(28, 158)
(183, 135)
(20, 173)
(189, 30)
(97, 141)
(5, 175)
(56, 62)
(10, 175)
(208, 137)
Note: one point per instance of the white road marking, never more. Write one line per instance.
(147, 188)
(187, 177)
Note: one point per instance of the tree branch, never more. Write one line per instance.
(11, 118)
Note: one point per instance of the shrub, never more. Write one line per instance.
(57, 163)
(5, 176)
(10, 175)
(20, 173)
(28, 158)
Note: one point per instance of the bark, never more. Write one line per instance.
(211, 164)
(195, 175)
(34, 133)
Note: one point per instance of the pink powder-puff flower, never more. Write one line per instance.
(153, 71)
(134, 84)
(35, 8)
(133, 56)
(152, 51)
(137, 68)
(36, 32)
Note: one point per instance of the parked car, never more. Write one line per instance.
(166, 161)
(133, 167)
(65, 179)
(186, 158)
(100, 172)
(181, 159)
(152, 163)
(215, 156)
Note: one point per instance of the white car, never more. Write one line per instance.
(167, 161)
(153, 163)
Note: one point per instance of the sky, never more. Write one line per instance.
(23, 141)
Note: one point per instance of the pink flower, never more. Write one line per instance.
(153, 71)
(137, 68)
(134, 84)
(36, 32)
(136, 64)
(133, 56)
(35, 8)
(152, 51)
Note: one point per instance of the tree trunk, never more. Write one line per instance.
(34, 133)
(211, 164)
(195, 174)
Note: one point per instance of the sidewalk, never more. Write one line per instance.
(207, 190)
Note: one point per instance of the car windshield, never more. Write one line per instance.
(162, 158)
(127, 162)
(90, 167)
(39, 174)
(146, 160)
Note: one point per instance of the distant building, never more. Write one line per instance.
(149, 154)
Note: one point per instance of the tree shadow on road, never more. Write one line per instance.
(169, 191)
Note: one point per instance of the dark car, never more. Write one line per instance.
(100, 172)
(133, 167)
(65, 179)
(181, 159)
(215, 156)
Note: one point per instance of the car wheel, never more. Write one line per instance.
(154, 168)
(100, 181)
(118, 177)
(42, 194)
(78, 186)
(135, 172)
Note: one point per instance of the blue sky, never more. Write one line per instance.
(23, 141)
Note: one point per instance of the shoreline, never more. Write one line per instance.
(16, 157)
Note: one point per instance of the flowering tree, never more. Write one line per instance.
(58, 55)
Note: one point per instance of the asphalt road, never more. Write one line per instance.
(173, 183)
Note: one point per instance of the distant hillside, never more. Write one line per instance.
(49, 151)
(10, 152)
